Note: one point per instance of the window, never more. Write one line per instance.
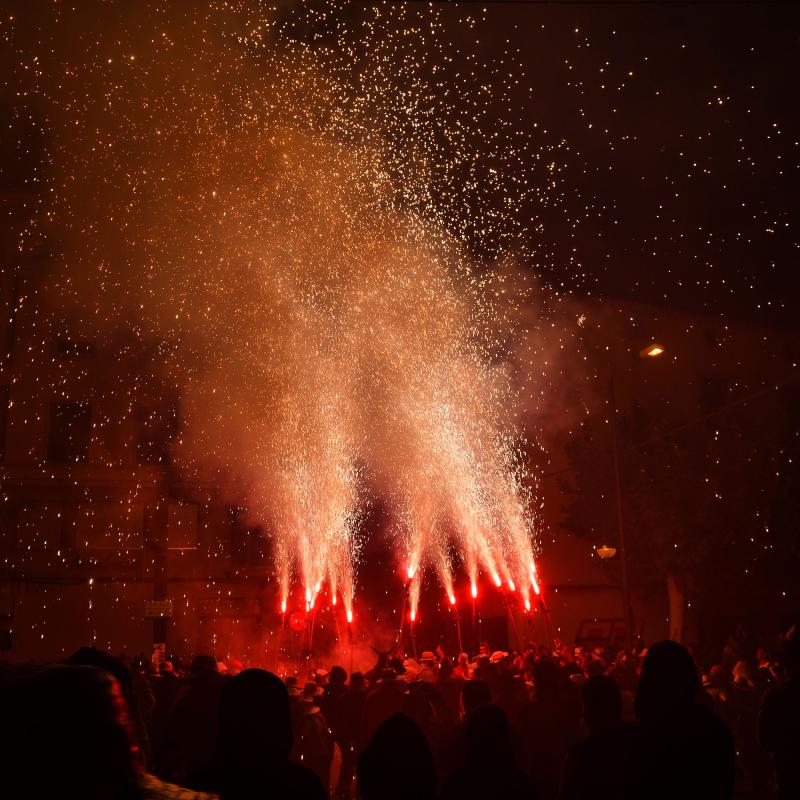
(182, 526)
(110, 526)
(70, 433)
(158, 426)
(39, 526)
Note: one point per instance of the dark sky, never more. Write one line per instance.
(673, 129)
(684, 189)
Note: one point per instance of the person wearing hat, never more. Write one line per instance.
(385, 699)
(313, 742)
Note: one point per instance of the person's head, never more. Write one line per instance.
(668, 683)
(396, 664)
(475, 693)
(397, 763)
(311, 691)
(602, 704)
(357, 680)
(488, 740)
(594, 666)
(92, 657)
(717, 675)
(72, 738)
(255, 732)
(338, 676)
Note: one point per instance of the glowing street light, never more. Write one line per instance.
(652, 350)
(606, 552)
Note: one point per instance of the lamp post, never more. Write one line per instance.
(653, 350)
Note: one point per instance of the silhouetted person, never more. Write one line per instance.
(333, 693)
(313, 740)
(351, 710)
(385, 699)
(510, 694)
(597, 766)
(191, 736)
(548, 726)
(381, 665)
(71, 738)
(452, 751)
(489, 770)
(449, 686)
(397, 763)
(779, 723)
(92, 657)
(425, 706)
(166, 688)
(681, 748)
(255, 739)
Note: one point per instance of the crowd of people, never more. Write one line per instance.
(546, 723)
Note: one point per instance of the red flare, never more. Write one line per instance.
(474, 589)
(349, 616)
(283, 606)
(452, 599)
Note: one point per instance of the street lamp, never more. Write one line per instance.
(653, 350)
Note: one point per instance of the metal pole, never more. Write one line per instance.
(626, 591)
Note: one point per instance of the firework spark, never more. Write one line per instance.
(291, 221)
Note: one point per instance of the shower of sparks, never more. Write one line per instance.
(298, 216)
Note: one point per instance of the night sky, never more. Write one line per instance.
(681, 123)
